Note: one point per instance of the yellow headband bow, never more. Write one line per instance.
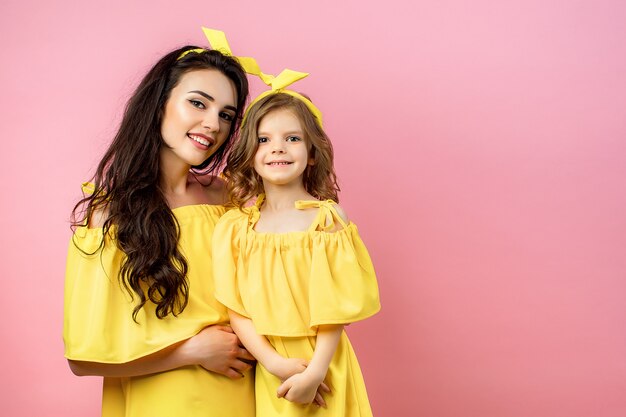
(278, 84)
(218, 42)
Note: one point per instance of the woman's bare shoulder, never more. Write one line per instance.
(98, 217)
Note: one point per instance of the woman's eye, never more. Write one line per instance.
(197, 103)
(293, 139)
(227, 116)
(262, 140)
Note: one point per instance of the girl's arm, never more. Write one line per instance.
(279, 366)
(302, 388)
(263, 351)
(215, 348)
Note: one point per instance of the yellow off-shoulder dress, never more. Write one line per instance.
(98, 327)
(290, 283)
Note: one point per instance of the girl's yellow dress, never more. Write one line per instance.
(98, 327)
(290, 283)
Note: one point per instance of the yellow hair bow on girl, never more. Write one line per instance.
(217, 40)
(278, 84)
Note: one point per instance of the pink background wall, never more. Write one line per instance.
(481, 147)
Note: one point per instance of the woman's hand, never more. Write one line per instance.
(217, 348)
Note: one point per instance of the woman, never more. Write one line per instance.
(139, 303)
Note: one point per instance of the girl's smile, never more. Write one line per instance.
(279, 163)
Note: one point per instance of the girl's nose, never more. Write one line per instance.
(278, 147)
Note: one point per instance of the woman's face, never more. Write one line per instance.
(198, 116)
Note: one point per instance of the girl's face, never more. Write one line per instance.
(198, 116)
(283, 151)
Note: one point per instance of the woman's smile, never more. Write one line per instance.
(204, 141)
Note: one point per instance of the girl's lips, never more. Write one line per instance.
(279, 163)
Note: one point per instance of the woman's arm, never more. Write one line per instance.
(302, 388)
(215, 348)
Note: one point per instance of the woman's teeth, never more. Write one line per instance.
(200, 140)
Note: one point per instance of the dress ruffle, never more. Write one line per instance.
(290, 283)
(98, 324)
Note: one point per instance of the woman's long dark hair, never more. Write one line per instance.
(127, 188)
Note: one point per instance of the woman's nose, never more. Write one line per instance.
(211, 122)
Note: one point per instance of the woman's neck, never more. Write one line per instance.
(174, 175)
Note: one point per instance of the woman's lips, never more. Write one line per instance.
(200, 139)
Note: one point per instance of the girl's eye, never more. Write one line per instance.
(262, 140)
(293, 139)
(227, 116)
(197, 103)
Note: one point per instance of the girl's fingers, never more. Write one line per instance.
(319, 400)
(324, 387)
(282, 390)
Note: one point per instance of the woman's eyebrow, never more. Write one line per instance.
(208, 97)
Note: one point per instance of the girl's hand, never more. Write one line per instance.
(302, 389)
(284, 368)
(216, 348)
(319, 400)
(288, 367)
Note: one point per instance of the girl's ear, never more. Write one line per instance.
(311, 161)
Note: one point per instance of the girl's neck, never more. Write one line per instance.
(282, 197)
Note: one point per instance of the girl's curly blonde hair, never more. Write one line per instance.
(243, 181)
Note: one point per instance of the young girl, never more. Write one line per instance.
(139, 303)
(295, 271)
